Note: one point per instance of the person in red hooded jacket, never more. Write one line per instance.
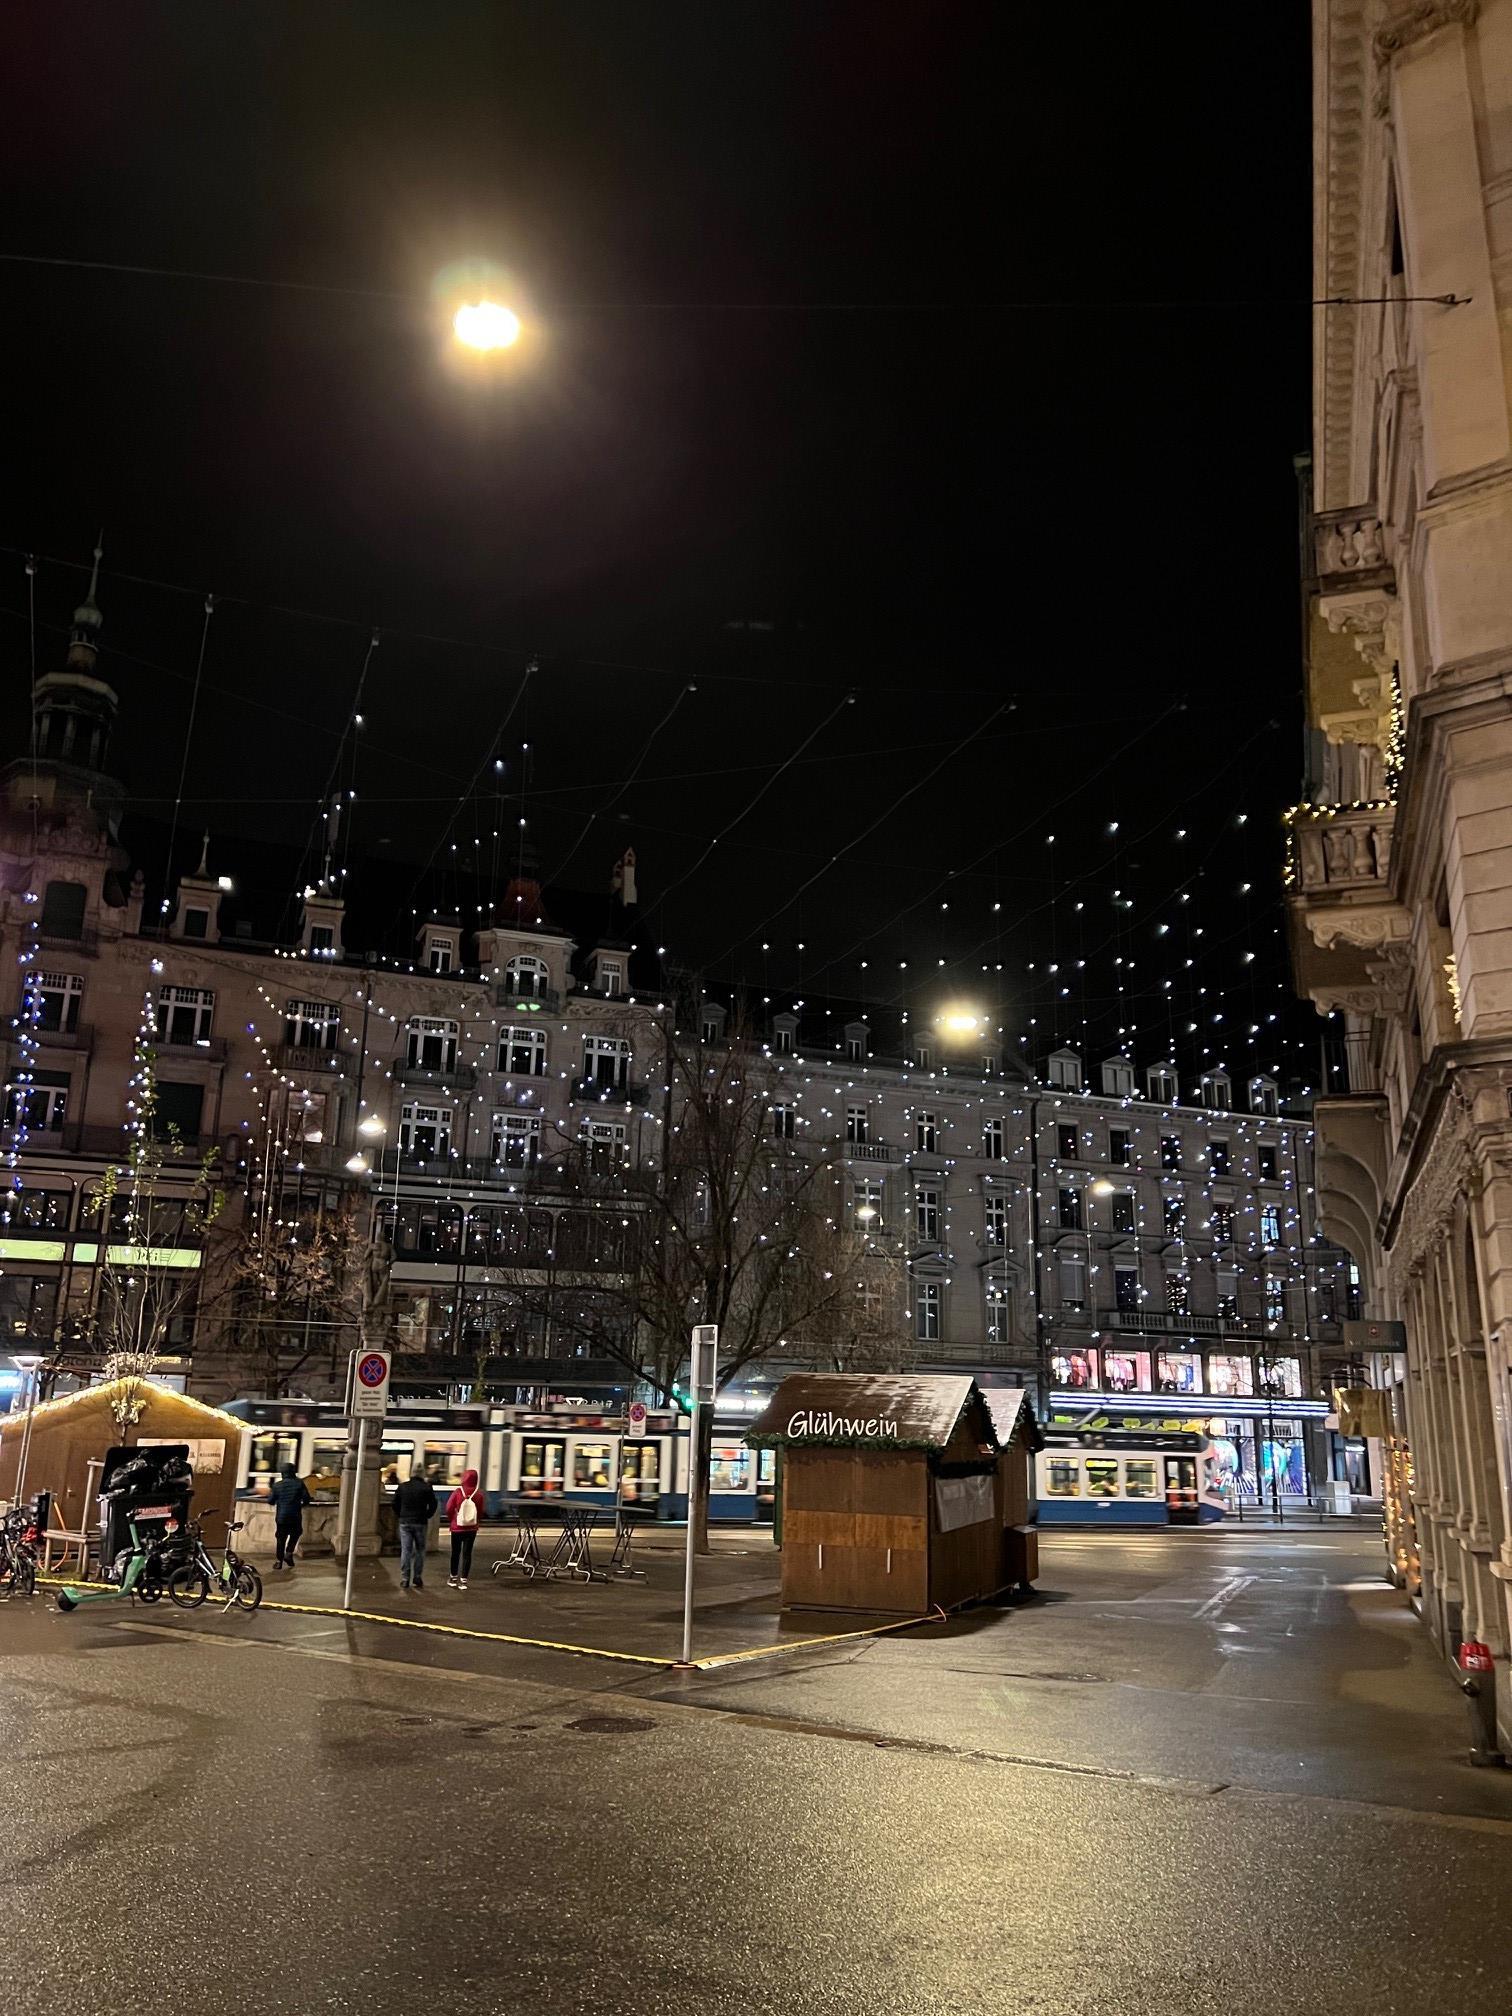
(464, 1510)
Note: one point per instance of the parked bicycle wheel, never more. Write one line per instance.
(20, 1578)
(189, 1585)
(246, 1586)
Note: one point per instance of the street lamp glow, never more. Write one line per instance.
(357, 1165)
(486, 325)
(960, 1022)
(370, 1127)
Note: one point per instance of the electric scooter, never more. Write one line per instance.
(69, 1597)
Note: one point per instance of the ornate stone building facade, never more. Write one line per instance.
(1400, 863)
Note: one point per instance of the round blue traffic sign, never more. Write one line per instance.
(372, 1369)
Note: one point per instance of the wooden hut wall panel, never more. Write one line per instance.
(855, 1531)
(67, 1435)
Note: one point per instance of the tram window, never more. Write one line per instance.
(1140, 1479)
(269, 1455)
(766, 1478)
(396, 1463)
(1102, 1476)
(729, 1467)
(593, 1465)
(324, 1479)
(640, 1469)
(541, 1464)
(444, 1461)
(1063, 1477)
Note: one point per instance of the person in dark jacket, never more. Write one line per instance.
(414, 1506)
(289, 1501)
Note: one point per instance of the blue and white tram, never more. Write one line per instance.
(579, 1452)
(1128, 1477)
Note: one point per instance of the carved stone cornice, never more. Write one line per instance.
(1343, 135)
(1422, 17)
(1372, 620)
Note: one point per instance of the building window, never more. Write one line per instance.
(999, 1311)
(1270, 1224)
(525, 978)
(63, 910)
(1120, 1152)
(1118, 1078)
(1280, 1378)
(1178, 1294)
(866, 1203)
(855, 1049)
(1354, 1294)
(606, 1062)
(1069, 1202)
(425, 1131)
(430, 1044)
(922, 1054)
(442, 953)
(609, 976)
(1275, 1299)
(1123, 1210)
(196, 923)
(928, 1297)
(856, 1125)
(1072, 1272)
(1065, 1071)
(179, 1111)
(606, 1142)
(323, 938)
(992, 1140)
(1221, 1224)
(1262, 1094)
(41, 1105)
(1126, 1289)
(1217, 1092)
(311, 1025)
(522, 1051)
(784, 1035)
(56, 998)
(1161, 1084)
(708, 1030)
(1234, 1378)
(185, 1014)
(1173, 1214)
(995, 1219)
(782, 1120)
(1066, 1143)
(1265, 1161)
(1228, 1294)
(1170, 1151)
(1218, 1157)
(1178, 1372)
(926, 1133)
(517, 1139)
(927, 1215)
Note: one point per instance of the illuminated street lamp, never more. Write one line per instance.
(486, 325)
(371, 1127)
(28, 1364)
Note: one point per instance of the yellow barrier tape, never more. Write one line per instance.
(552, 1644)
(802, 1644)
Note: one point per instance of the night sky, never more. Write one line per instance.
(950, 358)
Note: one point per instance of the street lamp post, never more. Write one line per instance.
(28, 1366)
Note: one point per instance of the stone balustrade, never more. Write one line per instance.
(1337, 848)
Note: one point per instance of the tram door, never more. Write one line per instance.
(1181, 1490)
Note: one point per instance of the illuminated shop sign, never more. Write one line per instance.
(837, 1427)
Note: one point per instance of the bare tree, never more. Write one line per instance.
(301, 1281)
(148, 1215)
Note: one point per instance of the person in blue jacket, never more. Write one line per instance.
(289, 1501)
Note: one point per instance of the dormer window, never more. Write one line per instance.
(608, 975)
(196, 923)
(1160, 1083)
(923, 1056)
(441, 956)
(322, 940)
(1263, 1096)
(784, 1034)
(855, 1042)
(1066, 1070)
(1118, 1078)
(525, 978)
(1217, 1091)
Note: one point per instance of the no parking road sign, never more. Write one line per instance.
(636, 1416)
(367, 1386)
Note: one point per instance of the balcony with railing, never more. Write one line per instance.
(871, 1150)
(1251, 1331)
(592, 1092)
(453, 1076)
(547, 1002)
(319, 1058)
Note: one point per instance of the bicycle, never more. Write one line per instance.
(190, 1582)
(129, 1576)
(18, 1554)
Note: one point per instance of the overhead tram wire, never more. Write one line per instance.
(759, 932)
(847, 700)
(178, 801)
(604, 810)
(490, 755)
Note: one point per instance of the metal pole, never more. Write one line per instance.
(693, 1466)
(346, 1594)
(33, 1380)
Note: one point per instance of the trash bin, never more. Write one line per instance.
(151, 1486)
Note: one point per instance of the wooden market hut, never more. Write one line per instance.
(70, 1433)
(1018, 1436)
(893, 1491)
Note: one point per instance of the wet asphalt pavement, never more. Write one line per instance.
(1195, 1770)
